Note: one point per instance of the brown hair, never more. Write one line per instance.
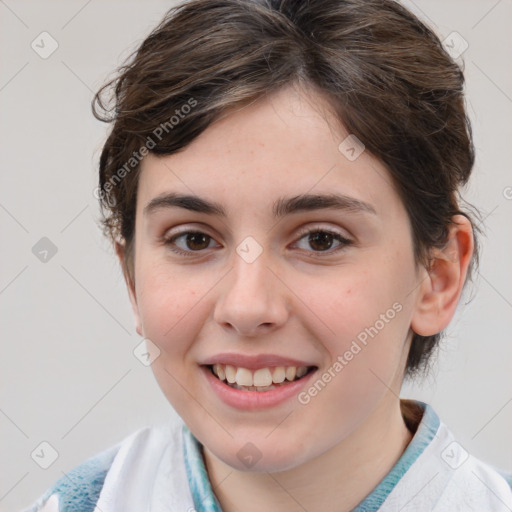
(386, 74)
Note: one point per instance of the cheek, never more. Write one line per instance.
(362, 318)
(354, 304)
(171, 308)
(168, 302)
(365, 354)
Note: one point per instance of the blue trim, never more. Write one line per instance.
(507, 475)
(80, 488)
(205, 500)
(200, 488)
(426, 431)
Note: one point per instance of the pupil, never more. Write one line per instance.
(321, 238)
(197, 239)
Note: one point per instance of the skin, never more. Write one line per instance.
(293, 300)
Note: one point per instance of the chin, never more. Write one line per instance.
(250, 458)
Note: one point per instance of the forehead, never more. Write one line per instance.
(287, 143)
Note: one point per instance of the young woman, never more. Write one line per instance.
(281, 184)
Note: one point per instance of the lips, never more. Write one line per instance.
(254, 362)
(253, 398)
(262, 373)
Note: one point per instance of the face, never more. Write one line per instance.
(248, 276)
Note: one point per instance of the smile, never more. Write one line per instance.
(261, 379)
(255, 381)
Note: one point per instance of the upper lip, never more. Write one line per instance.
(254, 362)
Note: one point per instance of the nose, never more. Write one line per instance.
(253, 301)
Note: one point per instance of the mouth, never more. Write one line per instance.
(261, 379)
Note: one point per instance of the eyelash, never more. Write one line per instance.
(344, 242)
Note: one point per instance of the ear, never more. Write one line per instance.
(120, 251)
(441, 285)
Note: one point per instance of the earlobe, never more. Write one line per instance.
(120, 251)
(441, 284)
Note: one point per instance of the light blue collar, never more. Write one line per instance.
(200, 488)
(425, 432)
(205, 500)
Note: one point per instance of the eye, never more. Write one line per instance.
(321, 240)
(193, 241)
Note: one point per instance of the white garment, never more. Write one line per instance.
(445, 478)
(148, 474)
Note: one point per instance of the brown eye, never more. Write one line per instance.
(197, 241)
(189, 242)
(322, 240)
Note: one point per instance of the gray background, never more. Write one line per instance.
(68, 374)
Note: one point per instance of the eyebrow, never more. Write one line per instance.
(283, 206)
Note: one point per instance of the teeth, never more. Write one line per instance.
(230, 373)
(279, 374)
(262, 379)
(291, 371)
(219, 371)
(244, 377)
(301, 371)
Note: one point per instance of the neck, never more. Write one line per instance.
(337, 480)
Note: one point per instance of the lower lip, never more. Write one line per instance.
(251, 400)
